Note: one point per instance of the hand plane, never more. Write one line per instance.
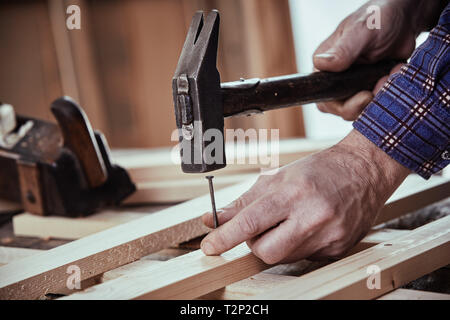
(201, 101)
(58, 169)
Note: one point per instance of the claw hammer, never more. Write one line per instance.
(201, 101)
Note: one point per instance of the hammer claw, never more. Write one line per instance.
(194, 29)
(209, 35)
(200, 44)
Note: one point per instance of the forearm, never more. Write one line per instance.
(383, 173)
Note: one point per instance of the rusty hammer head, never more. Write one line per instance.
(197, 98)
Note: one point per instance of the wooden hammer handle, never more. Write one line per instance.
(258, 95)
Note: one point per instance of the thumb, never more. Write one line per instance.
(341, 50)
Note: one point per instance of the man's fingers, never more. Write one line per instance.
(342, 50)
(276, 244)
(354, 105)
(396, 68)
(251, 221)
(349, 109)
(288, 242)
(380, 84)
(383, 80)
(332, 107)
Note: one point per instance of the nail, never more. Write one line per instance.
(213, 201)
(207, 248)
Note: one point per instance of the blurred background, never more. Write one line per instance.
(120, 64)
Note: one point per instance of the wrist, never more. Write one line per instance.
(383, 173)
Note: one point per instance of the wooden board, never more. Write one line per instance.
(413, 194)
(249, 287)
(400, 261)
(32, 277)
(9, 254)
(200, 275)
(30, 225)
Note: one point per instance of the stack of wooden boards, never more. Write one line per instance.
(401, 258)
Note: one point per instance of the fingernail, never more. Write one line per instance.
(326, 55)
(207, 248)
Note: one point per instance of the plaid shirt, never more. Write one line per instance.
(409, 118)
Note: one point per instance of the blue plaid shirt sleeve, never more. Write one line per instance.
(409, 118)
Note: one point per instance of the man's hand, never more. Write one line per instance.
(318, 206)
(354, 42)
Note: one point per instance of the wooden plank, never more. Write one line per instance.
(378, 236)
(9, 254)
(85, 66)
(249, 287)
(414, 193)
(30, 225)
(144, 263)
(263, 282)
(32, 277)
(375, 237)
(200, 275)
(408, 294)
(66, 66)
(400, 261)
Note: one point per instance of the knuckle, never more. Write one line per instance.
(248, 225)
